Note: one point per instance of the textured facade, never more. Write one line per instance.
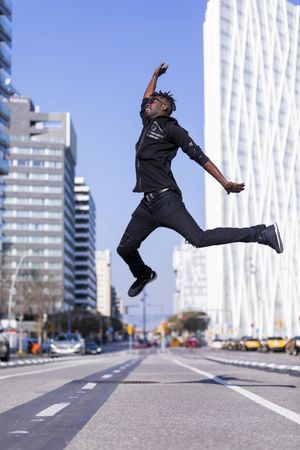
(85, 245)
(103, 274)
(252, 124)
(117, 306)
(189, 264)
(5, 70)
(39, 212)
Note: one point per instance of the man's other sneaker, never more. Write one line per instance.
(140, 283)
(270, 236)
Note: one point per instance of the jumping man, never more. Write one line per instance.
(162, 204)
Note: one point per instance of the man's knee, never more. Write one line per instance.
(197, 240)
(126, 246)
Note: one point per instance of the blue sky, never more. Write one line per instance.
(94, 58)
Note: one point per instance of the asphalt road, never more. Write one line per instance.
(149, 400)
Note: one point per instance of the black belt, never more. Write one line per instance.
(151, 195)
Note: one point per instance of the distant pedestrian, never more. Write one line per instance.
(162, 204)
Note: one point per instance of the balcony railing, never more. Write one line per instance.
(4, 169)
(4, 139)
(6, 29)
(5, 56)
(6, 7)
(4, 110)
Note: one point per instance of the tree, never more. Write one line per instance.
(36, 295)
(192, 321)
(5, 280)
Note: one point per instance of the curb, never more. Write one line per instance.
(282, 368)
(35, 361)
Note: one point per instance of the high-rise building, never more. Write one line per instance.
(5, 70)
(85, 245)
(117, 307)
(103, 282)
(189, 264)
(252, 124)
(39, 210)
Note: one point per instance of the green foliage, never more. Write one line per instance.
(88, 323)
(191, 321)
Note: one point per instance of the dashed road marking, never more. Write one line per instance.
(19, 432)
(109, 375)
(52, 410)
(117, 371)
(291, 415)
(89, 386)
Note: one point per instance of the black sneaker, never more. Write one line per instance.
(270, 236)
(140, 283)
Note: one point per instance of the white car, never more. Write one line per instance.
(67, 344)
(217, 344)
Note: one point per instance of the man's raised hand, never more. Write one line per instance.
(234, 187)
(161, 69)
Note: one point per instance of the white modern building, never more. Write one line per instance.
(252, 124)
(103, 274)
(189, 264)
(85, 245)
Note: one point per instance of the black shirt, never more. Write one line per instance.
(157, 146)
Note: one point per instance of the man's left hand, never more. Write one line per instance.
(234, 187)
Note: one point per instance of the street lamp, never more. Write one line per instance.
(11, 292)
(143, 299)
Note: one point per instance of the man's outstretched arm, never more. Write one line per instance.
(161, 69)
(229, 186)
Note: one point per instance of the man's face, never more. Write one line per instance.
(155, 107)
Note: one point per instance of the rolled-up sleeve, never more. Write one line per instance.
(181, 138)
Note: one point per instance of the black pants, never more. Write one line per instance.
(169, 211)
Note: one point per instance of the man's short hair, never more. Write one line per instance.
(168, 97)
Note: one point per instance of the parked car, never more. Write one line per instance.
(231, 344)
(217, 344)
(4, 347)
(191, 342)
(92, 348)
(249, 343)
(141, 344)
(293, 346)
(67, 344)
(273, 343)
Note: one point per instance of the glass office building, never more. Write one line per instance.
(85, 245)
(5, 70)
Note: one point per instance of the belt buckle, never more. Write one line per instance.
(150, 196)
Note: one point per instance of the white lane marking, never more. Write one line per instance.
(67, 366)
(37, 420)
(89, 386)
(109, 375)
(116, 371)
(291, 415)
(52, 410)
(73, 396)
(19, 432)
